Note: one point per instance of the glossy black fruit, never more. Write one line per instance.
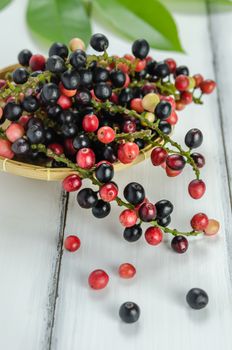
(134, 193)
(86, 78)
(70, 79)
(193, 138)
(58, 49)
(101, 209)
(125, 96)
(164, 221)
(140, 48)
(179, 244)
(163, 110)
(100, 75)
(87, 198)
(78, 59)
(50, 93)
(197, 298)
(12, 111)
(129, 312)
(36, 134)
(118, 78)
(20, 147)
(24, 57)
(20, 75)
(55, 64)
(161, 70)
(99, 42)
(103, 91)
(104, 172)
(81, 141)
(30, 104)
(132, 234)
(164, 208)
(165, 127)
(83, 97)
(182, 70)
(54, 111)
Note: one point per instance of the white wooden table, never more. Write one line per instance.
(45, 302)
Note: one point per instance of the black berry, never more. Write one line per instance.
(70, 79)
(164, 208)
(50, 93)
(101, 209)
(163, 110)
(99, 42)
(197, 298)
(20, 75)
(132, 234)
(81, 141)
(100, 75)
(134, 193)
(87, 198)
(193, 138)
(179, 244)
(165, 127)
(12, 111)
(118, 78)
(55, 64)
(161, 70)
(103, 91)
(58, 49)
(164, 221)
(20, 147)
(182, 70)
(140, 48)
(24, 57)
(78, 59)
(104, 172)
(129, 312)
(35, 134)
(30, 104)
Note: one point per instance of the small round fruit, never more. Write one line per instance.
(20, 75)
(132, 234)
(182, 83)
(99, 42)
(175, 162)
(196, 188)
(106, 134)
(72, 243)
(199, 159)
(158, 156)
(37, 62)
(101, 209)
(129, 312)
(12, 111)
(197, 298)
(140, 48)
(87, 198)
(24, 57)
(137, 105)
(129, 126)
(128, 152)
(134, 193)
(212, 227)
(150, 101)
(128, 218)
(199, 222)
(108, 192)
(21, 147)
(104, 172)
(30, 104)
(98, 279)
(85, 158)
(207, 86)
(76, 44)
(164, 208)
(14, 132)
(126, 271)
(5, 149)
(171, 64)
(147, 212)
(118, 78)
(179, 244)
(78, 59)
(70, 79)
(103, 91)
(163, 110)
(164, 222)
(55, 64)
(58, 49)
(153, 235)
(193, 138)
(50, 93)
(72, 183)
(182, 70)
(161, 70)
(90, 123)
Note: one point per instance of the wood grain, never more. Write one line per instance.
(86, 319)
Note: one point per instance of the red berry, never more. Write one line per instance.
(126, 270)
(179, 244)
(68, 144)
(140, 65)
(207, 86)
(186, 97)
(37, 62)
(24, 119)
(153, 235)
(128, 218)
(56, 148)
(182, 82)
(175, 162)
(108, 192)
(179, 105)
(114, 98)
(5, 149)
(136, 105)
(173, 118)
(85, 158)
(98, 279)
(127, 81)
(129, 57)
(68, 93)
(198, 79)
(129, 126)
(196, 188)
(128, 152)
(147, 212)
(106, 134)
(72, 243)
(123, 67)
(72, 183)
(199, 222)
(90, 123)
(14, 132)
(171, 64)
(64, 102)
(158, 156)
(172, 173)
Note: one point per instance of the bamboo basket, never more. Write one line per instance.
(52, 174)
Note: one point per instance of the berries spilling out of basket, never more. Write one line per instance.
(86, 112)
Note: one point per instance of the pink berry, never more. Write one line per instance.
(136, 105)
(126, 271)
(198, 79)
(158, 156)
(108, 192)
(128, 152)
(106, 134)
(37, 62)
(85, 158)
(14, 132)
(153, 235)
(128, 218)
(90, 123)
(196, 189)
(172, 173)
(182, 82)
(199, 222)
(64, 102)
(186, 97)
(140, 65)
(5, 149)
(72, 243)
(212, 227)
(72, 183)
(98, 279)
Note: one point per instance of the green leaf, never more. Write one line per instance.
(4, 3)
(58, 20)
(133, 19)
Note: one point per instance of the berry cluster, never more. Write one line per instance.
(86, 112)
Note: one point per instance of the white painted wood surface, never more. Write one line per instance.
(32, 216)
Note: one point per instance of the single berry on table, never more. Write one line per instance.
(212, 228)
(72, 243)
(129, 312)
(126, 271)
(197, 298)
(98, 279)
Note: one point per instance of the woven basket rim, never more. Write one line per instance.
(52, 174)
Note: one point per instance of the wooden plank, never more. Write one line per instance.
(89, 320)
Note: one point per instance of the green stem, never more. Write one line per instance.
(175, 232)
